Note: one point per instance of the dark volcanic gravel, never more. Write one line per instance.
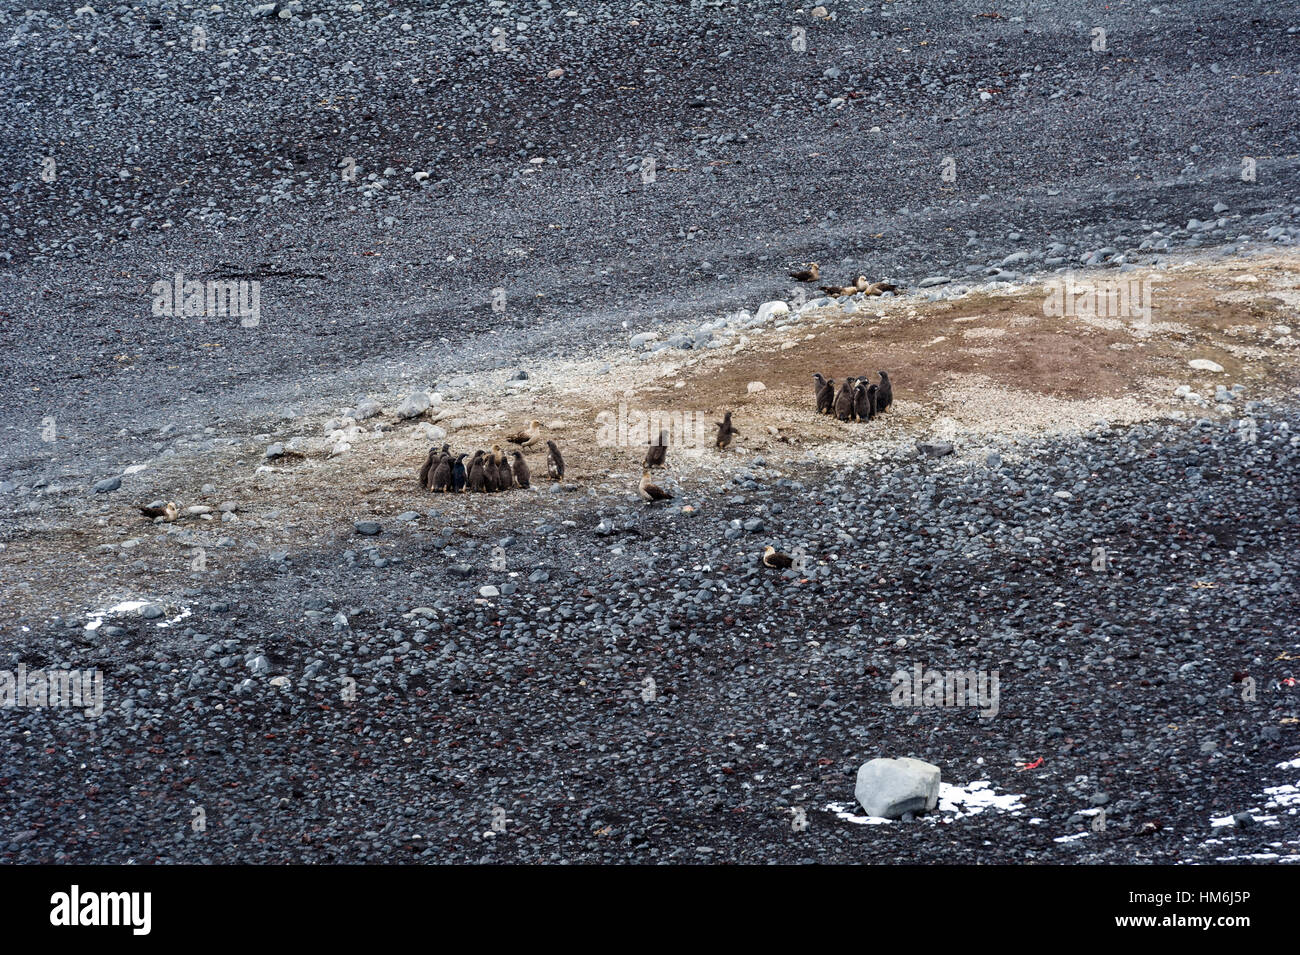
(1123, 688)
(634, 686)
(225, 162)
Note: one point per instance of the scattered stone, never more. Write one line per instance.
(934, 449)
(416, 404)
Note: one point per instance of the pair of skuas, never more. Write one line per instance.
(860, 284)
(859, 399)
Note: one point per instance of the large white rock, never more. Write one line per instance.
(887, 788)
(1204, 364)
(414, 406)
(770, 310)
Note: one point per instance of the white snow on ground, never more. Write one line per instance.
(1282, 800)
(1090, 812)
(975, 798)
(128, 606)
(185, 612)
(955, 802)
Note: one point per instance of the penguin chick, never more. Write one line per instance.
(477, 477)
(844, 402)
(885, 395)
(725, 431)
(428, 466)
(458, 475)
(862, 409)
(441, 480)
(554, 461)
(825, 392)
(657, 452)
(523, 475)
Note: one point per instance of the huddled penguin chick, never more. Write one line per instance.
(458, 474)
(824, 389)
(523, 475)
(861, 407)
(529, 436)
(776, 560)
(167, 513)
(725, 431)
(441, 479)
(429, 464)
(844, 401)
(477, 477)
(885, 394)
(652, 492)
(554, 461)
(657, 452)
(864, 400)
(491, 479)
(505, 476)
(810, 274)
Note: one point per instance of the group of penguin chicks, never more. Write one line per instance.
(489, 471)
(859, 399)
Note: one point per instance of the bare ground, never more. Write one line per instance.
(981, 370)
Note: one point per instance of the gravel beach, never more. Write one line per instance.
(460, 217)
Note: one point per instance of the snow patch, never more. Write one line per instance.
(955, 802)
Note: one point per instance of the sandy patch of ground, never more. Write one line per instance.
(981, 370)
